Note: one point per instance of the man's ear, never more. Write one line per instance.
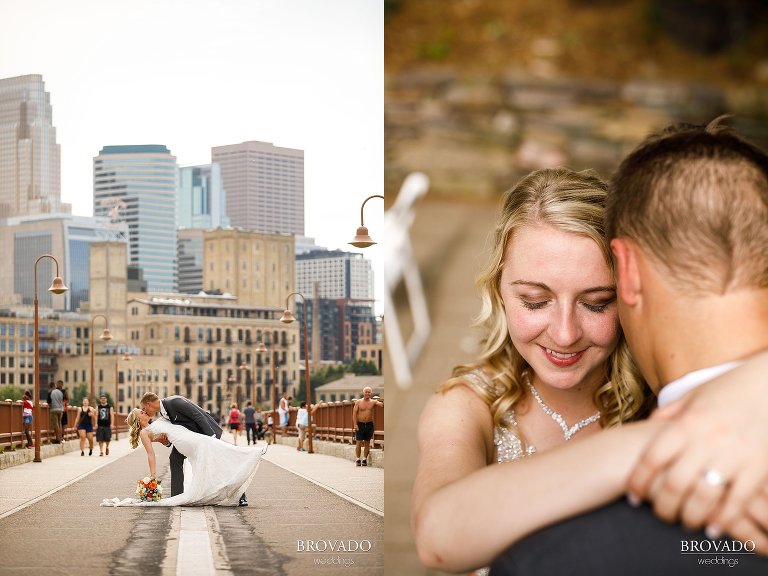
(628, 282)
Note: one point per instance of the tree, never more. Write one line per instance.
(78, 393)
(11, 392)
(363, 367)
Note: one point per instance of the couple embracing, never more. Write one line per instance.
(204, 470)
(668, 262)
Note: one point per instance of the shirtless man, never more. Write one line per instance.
(362, 416)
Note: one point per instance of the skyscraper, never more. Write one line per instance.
(265, 186)
(138, 185)
(202, 200)
(30, 158)
(202, 206)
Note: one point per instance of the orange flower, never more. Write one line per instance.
(153, 485)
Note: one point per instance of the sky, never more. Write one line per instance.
(192, 74)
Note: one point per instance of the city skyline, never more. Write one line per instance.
(216, 72)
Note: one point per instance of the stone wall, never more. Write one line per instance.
(474, 137)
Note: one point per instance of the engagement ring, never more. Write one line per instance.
(714, 478)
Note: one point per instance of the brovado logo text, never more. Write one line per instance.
(333, 546)
(716, 546)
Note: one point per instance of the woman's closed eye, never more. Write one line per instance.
(599, 306)
(533, 305)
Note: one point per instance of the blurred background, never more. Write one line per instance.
(480, 92)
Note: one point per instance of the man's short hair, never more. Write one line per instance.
(695, 198)
(148, 397)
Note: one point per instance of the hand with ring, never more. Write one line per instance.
(709, 467)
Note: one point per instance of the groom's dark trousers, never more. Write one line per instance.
(188, 414)
(621, 540)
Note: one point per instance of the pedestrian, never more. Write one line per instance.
(26, 418)
(86, 422)
(302, 422)
(234, 421)
(250, 422)
(362, 416)
(259, 426)
(104, 424)
(269, 434)
(56, 410)
(64, 418)
(282, 412)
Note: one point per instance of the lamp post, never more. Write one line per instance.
(230, 382)
(105, 335)
(287, 318)
(361, 239)
(137, 373)
(245, 368)
(57, 287)
(126, 358)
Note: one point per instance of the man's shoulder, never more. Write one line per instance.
(176, 399)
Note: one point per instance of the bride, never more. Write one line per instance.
(218, 472)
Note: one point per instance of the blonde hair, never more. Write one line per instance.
(135, 427)
(572, 202)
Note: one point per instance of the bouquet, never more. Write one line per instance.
(149, 489)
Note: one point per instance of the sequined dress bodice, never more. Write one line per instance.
(508, 446)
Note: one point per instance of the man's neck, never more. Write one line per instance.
(698, 333)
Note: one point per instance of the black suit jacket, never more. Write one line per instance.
(620, 539)
(182, 411)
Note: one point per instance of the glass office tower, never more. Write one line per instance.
(137, 185)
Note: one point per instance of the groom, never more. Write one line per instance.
(180, 410)
(687, 216)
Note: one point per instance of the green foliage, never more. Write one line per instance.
(325, 375)
(78, 393)
(11, 392)
(437, 50)
(363, 368)
(110, 400)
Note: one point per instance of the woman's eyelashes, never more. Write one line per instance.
(533, 304)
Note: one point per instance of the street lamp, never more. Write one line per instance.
(126, 358)
(57, 287)
(287, 318)
(245, 368)
(361, 239)
(138, 371)
(105, 335)
(230, 382)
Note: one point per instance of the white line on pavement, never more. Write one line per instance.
(194, 556)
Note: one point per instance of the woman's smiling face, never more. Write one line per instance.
(560, 301)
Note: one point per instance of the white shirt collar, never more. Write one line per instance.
(163, 413)
(688, 382)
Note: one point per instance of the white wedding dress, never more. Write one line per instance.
(216, 472)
